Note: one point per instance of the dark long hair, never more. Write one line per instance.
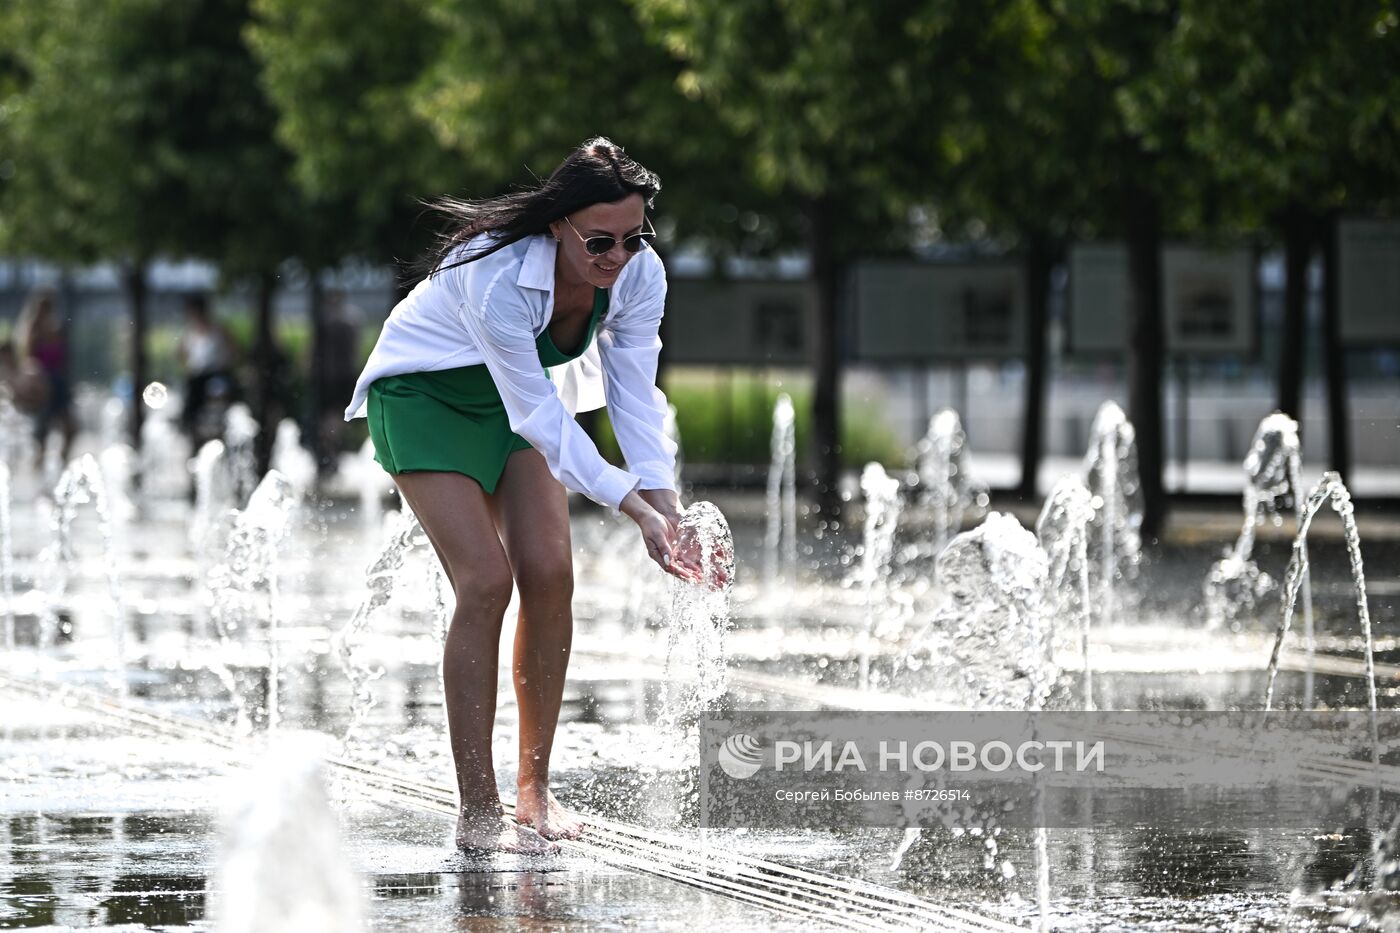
(596, 172)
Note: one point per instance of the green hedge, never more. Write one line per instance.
(728, 418)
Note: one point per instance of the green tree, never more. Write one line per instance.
(1111, 119)
(87, 178)
(831, 99)
(1294, 112)
(344, 78)
(140, 129)
(1013, 148)
(518, 85)
(387, 107)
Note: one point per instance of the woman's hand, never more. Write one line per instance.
(685, 542)
(667, 503)
(658, 534)
(685, 549)
(689, 552)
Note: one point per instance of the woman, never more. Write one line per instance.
(207, 352)
(482, 444)
(41, 340)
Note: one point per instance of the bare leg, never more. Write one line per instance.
(532, 512)
(453, 510)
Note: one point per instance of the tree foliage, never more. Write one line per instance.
(519, 84)
(138, 128)
(1286, 109)
(344, 79)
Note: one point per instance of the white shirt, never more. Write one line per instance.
(205, 351)
(492, 310)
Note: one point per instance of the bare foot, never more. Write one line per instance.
(546, 815)
(498, 834)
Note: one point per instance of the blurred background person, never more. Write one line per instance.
(21, 380)
(41, 348)
(208, 354)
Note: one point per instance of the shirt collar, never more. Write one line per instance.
(537, 271)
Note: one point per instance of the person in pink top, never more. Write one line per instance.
(41, 337)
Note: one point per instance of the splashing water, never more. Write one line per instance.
(291, 459)
(112, 426)
(16, 439)
(1330, 489)
(439, 587)
(213, 497)
(995, 631)
(81, 483)
(699, 619)
(1063, 532)
(117, 463)
(645, 599)
(781, 502)
(240, 433)
(245, 585)
(1272, 468)
(993, 626)
(282, 864)
(399, 538)
(946, 482)
(7, 557)
(369, 482)
(163, 456)
(882, 509)
(696, 673)
(1111, 475)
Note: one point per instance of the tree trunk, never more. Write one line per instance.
(136, 293)
(1338, 428)
(267, 365)
(826, 399)
(316, 388)
(1143, 225)
(1038, 266)
(1297, 251)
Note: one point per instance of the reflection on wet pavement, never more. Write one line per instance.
(101, 829)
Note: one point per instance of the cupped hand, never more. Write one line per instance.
(658, 535)
(667, 503)
(688, 553)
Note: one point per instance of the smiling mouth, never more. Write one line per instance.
(606, 269)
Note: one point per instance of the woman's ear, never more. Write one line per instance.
(554, 230)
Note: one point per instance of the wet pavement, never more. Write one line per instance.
(103, 829)
(107, 826)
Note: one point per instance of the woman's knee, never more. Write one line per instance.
(545, 572)
(484, 590)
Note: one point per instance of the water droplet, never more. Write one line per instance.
(155, 395)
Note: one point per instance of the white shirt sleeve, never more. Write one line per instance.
(629, 347)
(500, 324)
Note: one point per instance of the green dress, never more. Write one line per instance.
(453, 420)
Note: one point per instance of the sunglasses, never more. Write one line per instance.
(598, 245)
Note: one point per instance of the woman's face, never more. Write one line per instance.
(617, 219)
